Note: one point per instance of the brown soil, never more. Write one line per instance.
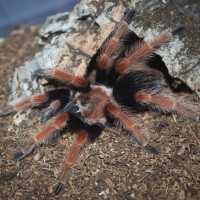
(114, 167)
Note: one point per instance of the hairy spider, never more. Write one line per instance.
(118, 83)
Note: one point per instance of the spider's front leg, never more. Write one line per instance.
(130, 125)
(75, 82)
(55, 124)
(61, 96)
(71, 158)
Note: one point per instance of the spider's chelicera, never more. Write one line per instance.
(117, 83)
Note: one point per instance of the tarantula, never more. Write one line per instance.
(118, 82)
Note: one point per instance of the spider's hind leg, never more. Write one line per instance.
(70, 159)
(142, 88)
(129, 124)
(140, 78)
(162, 102)
(88, 133)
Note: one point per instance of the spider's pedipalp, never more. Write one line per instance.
(52, 109)
(130, 125)
(94, 131)
(163, 103)
(71, 158)
(58, 100)
(76, 82)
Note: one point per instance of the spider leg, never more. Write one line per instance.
(71, 158)
(139, 78)
(130, 125)
(141, 51)
(110, 49)
(37, 100)
(57, 99)
(141, 88)
(54, 107)
(110, 46)
(77, 82)
(166, 104)
(55, 124)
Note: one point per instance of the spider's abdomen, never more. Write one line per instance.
(133, 81)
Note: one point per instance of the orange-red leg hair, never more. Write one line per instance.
(141, 51)
(130, 125)
(63, 76)
(35, 100)
(113, 43)
(165, 104)
(55, 124)
(111, 46)
(71, 158)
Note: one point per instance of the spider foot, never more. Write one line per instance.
(24, 152)
(6, 111)
(178, 30)
(58, 188)
(129, 16)
(151, 149)
(42, 73)
(18, 155)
